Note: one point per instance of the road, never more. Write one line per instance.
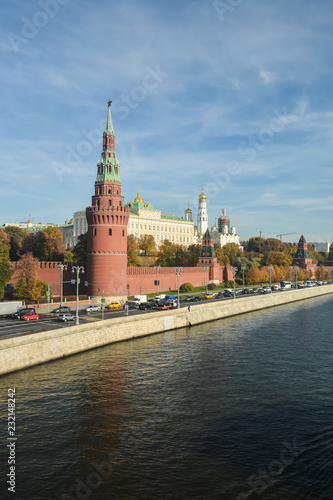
(11, 328)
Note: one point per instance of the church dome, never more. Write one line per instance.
(202, 196)
(138, 199)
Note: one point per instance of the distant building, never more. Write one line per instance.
(202, 215)
(320, 247)
(223, 233)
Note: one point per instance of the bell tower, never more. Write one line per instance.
(107, 220)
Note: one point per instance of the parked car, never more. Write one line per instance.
(29, 316)
(66, 317)
(209, 296)
(228, 293)
(265, 289)
(114, 305)
(246, 291)
(20, 312)
(61, 309)
(92, 308)
(219, 295)
(254, 290)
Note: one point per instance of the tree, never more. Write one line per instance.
(16, 235)
(132, 251)
(29, 287)
(253, 276)
(165, 254)
(192, 255)
(5, 268)
(232, 251)
(53, 248)
(278, 259)
(80, 249)
(147, 244)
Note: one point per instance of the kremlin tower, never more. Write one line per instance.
(202, 214)
(107, 220)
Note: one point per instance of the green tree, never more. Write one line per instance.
(80, 249)
(53, 248)
(278, 259)
(6, 271)
(233, 252)
(16, 235)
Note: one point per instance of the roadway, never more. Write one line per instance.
(11, 328)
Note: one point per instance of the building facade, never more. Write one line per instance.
(222, 232)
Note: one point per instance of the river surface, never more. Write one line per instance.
(240, 408)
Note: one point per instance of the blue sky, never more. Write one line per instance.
(235, 95)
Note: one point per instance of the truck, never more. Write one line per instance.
(139, 299)
(7, 308)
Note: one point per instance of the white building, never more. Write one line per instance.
(202, 215)
(223, 233)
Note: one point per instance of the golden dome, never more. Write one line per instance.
(188, 211)
(202, 196)
(138, 198)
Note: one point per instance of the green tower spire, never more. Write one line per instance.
(109, 126)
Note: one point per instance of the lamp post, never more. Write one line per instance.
(62, 267)
(178, 271)
(234, 270)
(243, 268)
(296, 269)
(77, 270)
(206, 269)
(156, 269)
(270, 268)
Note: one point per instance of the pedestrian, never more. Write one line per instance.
(189, 308)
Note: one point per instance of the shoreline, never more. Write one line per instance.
(21, 352)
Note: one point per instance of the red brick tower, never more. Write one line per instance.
(107, 226)
(208, 258)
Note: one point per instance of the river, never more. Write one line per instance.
(239, 408)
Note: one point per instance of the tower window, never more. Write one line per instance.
(123, 232)
(94, 232)
(110, 203)
(110, 232)
(109, 192)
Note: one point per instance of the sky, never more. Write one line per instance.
(233, 95)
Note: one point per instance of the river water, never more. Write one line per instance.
(239, 408)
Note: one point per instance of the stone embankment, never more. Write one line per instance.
(25, 351)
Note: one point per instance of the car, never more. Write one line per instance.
(275, 287)
(114, 305)
(20, 312)
(246, 291)
(228, 293)
(145, 305)
(61, 309)
(254, 290)
(219, 295)
(29, 316)
(92, 308)
(265, 289)
(209, 295)
(66, 317)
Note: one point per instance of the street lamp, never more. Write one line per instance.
(178, 271)
(156, 269)
(234, 270)
(270, 277)
(206, 269)
(78, 270)
(243, 269)
(296, 269)
(62, 267)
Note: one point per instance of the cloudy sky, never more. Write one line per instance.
(234, 95)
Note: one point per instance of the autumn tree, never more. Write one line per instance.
(53, 247)
(29, 287)
(147, 244)
(278, 259)
(5, 267)
(192, 254)
(233, 252)
(132, 251)
(253, 276)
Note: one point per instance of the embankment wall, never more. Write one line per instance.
(21, 352)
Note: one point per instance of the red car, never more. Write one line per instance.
(29, 316)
